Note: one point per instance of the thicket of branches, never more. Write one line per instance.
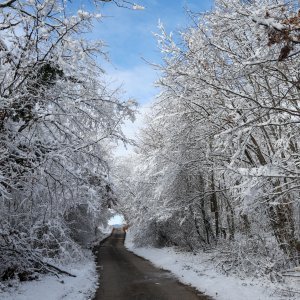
(218, 162)
(57, 122)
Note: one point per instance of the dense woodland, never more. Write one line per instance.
(58, 122)
(217, 164)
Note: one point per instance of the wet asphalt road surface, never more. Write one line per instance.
(125, 276)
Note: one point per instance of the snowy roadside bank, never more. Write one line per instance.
(200, 272)
(49, 287)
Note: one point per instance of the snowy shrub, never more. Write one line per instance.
(254, 256)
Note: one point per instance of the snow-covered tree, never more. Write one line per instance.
(221, 149)
(58, 120)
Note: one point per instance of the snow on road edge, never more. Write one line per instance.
(200, 272)
(49, 287)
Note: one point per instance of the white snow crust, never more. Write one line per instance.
(49, 287)
(199, 270)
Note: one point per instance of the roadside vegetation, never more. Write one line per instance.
(58, 122)
(217, 164)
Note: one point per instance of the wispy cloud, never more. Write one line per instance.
(131, 130)
(137, 82)
(129, 36)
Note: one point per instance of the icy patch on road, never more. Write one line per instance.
(49, 287)
(199, 270)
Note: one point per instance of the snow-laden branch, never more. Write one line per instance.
(270, 23)
(125, 4)
(7, 3)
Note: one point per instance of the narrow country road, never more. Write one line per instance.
(125, 276)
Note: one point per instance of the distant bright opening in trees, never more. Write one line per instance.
(116, 220)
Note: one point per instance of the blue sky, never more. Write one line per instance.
(128, 35)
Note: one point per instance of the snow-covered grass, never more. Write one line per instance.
(49, 287)
(200, 271)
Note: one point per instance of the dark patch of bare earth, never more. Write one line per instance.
(125, 276)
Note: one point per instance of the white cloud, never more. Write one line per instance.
(131, 130)
(137, 82)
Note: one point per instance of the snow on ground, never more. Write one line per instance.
(200, 272)
(49, 287)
